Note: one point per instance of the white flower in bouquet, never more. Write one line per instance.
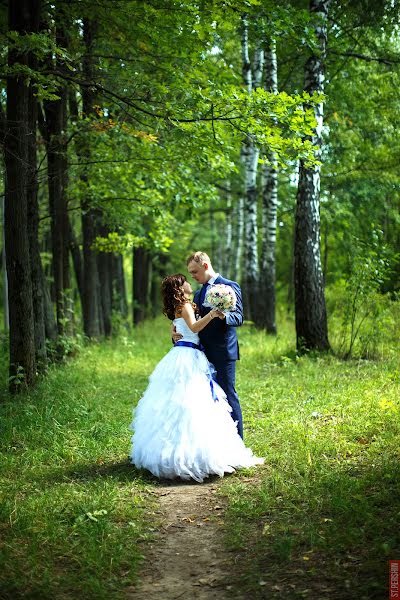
(220, 296)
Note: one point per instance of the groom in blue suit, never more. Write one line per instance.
(219, 337)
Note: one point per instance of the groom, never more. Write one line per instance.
(219, 337)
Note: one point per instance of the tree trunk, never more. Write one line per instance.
(56, 126)
(238, 234)
(6, 320)
(90, 297)
(120, 301)
(104, 266)
(22, 330)
(311, 319)
(250, 155)
(4, 271)
(269, 176)
(141, 283)
(227, 254)
(211, 215)
(50, 324)
(33, 224)
(76, 259)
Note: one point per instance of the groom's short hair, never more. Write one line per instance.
(199, 257)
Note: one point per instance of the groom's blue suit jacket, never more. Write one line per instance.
(219, 337)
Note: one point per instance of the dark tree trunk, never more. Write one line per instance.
(56, 126)
(4, 270)
(227, 252)
(104, 266)
(33, 224)
(21, 14)
(90, 296)
(311, 319)
(76, 259)
(238, 240)
(141, 283)
(91, 321)
(120, 301)
(49, 319)
(3, 252)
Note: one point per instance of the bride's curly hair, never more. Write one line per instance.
(173, 295)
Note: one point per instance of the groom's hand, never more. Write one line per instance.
(175, 336)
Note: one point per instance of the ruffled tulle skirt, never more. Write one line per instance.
(180, 428)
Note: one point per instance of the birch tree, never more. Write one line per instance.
(269, 185)
(250, 152)
(310, 309)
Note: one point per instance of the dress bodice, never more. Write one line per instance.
(182, 328)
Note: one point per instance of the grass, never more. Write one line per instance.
(320, 519)
(74, 513)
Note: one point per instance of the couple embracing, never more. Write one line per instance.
(188, 423)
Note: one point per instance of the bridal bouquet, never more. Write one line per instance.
(220, 296)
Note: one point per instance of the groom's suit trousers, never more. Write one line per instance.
(226, 378)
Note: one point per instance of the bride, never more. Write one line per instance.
(182, 427)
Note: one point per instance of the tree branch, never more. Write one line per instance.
(379, 59)
(107, 92)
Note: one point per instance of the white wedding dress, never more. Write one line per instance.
(180, 429)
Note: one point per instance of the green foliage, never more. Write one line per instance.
(363, 309)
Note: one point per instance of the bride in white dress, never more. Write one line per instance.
(182, 426)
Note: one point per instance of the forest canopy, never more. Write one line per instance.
(262, 132)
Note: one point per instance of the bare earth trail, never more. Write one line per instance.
(187, 559)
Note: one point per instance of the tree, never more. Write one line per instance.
(250, 154)
(21, 19)
(54, 128)
(310, 309)
(269, 185)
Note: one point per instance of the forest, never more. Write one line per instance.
(264, 133)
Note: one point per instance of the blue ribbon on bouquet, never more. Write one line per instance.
(200, 347)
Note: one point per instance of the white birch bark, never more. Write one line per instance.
(269, 186)
(251, 155)
(310, 309)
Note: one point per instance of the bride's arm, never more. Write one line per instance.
(189, 316)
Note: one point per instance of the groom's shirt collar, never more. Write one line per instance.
(213, 279)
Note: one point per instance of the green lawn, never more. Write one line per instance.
(319, 520)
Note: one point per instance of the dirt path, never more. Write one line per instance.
(187, 559)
